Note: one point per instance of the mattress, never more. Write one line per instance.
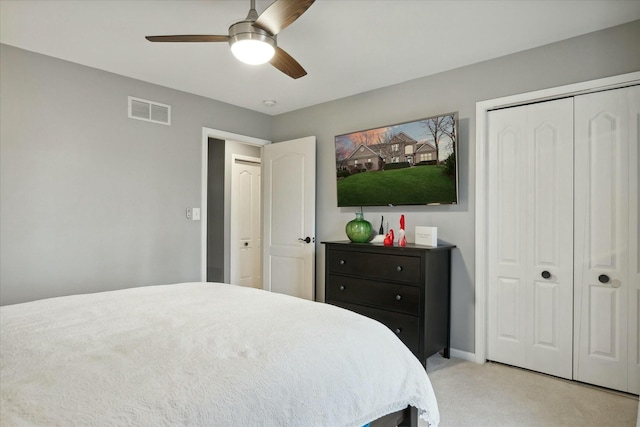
(202, 354)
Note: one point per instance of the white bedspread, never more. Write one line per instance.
(202, 355)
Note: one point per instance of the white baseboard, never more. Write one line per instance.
(464, 355)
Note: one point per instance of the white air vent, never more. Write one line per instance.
(149, 111)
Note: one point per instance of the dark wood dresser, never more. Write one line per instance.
(406, 288)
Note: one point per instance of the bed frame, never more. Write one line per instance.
(407, 417)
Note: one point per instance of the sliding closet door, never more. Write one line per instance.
(530, 289)
(606, 238)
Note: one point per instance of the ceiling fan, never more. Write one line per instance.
(253, 40)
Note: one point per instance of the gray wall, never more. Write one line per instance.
(596, 55)
(90, 199)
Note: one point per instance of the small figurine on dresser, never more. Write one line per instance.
(402, 240)
(388, 240)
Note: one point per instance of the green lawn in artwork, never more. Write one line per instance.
(417, 185)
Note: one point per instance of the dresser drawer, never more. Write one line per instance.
(389, 296)
(406, 327)
(399, 268)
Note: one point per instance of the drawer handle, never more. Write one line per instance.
(341, 262)
(398, 297)
(399, 268)
(398, 331)
(342, 287)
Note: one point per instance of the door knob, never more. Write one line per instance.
(546, 274)
(603, 278)
(246, 243)
(306, 239)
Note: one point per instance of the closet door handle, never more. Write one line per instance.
(546, 274)
(603, 278)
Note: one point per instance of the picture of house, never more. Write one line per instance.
(428, 144)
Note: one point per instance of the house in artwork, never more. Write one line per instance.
(426, 153)
(363, 158)
(400, 148)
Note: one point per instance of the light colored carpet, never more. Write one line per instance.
(498, 395)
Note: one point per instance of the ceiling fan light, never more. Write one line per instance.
(250, 44)
(251, 51)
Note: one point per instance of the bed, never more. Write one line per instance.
(203, 354)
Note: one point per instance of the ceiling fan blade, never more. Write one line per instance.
(188, 38)
(281, 14)
(285, 63)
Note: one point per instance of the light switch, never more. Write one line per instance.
(196, 214)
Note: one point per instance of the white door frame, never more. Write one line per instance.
(226, 136)
(482, 109)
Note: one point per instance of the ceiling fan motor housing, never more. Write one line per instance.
(244, 30)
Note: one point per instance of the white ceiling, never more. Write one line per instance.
(347, 47)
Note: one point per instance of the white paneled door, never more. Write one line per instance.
(289, 172)
(530, 271)
(246, 230)
(607, 268)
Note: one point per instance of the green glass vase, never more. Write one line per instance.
(359, 229)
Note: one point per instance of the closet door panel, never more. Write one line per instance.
(507, 199)
(603, 313)
(550, 237)
(530, 269)
(605, 296)
(546, 315)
